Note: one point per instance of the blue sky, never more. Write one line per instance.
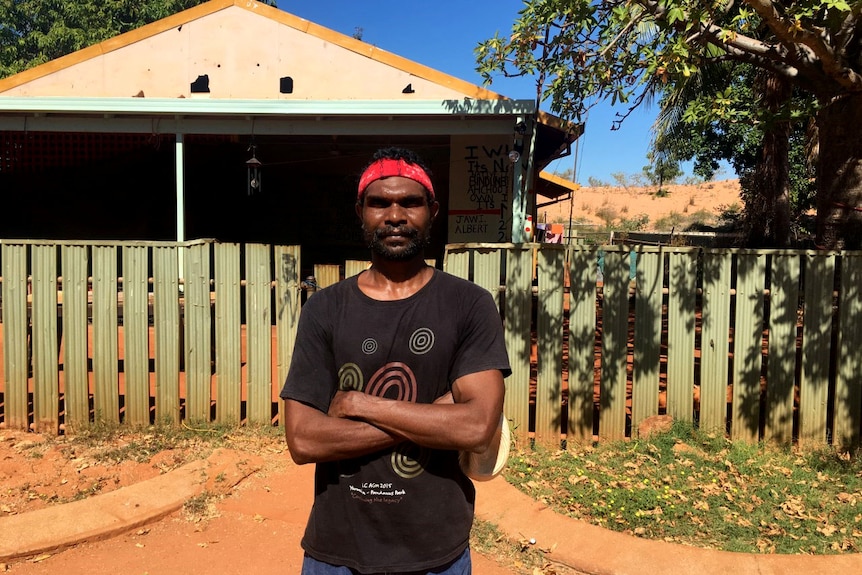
(442, 34)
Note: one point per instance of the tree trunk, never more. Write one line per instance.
(839, 174)
(768, 209)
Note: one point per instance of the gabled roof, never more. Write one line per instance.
(255, 59)
(245, 50)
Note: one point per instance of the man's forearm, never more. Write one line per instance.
(444, 425)
(314, 437)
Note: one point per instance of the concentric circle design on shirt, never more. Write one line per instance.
(350, 377)
(409, 460)
(422, 341)
(393, 376)
(369, 346)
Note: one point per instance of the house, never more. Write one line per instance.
(237, 121)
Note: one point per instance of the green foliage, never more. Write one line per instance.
(708, 139)
(636, 223)
(662, 171)
(37, 31)
(596, 183)
(697, 488)
(703, 57)
(583, 52)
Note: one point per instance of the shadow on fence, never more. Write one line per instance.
(757, 344)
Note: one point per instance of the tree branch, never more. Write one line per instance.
(807, 47)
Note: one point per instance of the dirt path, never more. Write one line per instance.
(256, 529)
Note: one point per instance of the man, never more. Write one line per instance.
(395, 371)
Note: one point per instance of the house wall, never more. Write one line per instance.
(244, 53)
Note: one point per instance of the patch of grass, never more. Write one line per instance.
(691, 487)
(520, 556)
(201, 507)
(114, 444)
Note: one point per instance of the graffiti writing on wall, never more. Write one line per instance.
(480, 188)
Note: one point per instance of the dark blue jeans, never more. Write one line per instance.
(460, 566)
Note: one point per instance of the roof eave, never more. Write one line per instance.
(203, 106)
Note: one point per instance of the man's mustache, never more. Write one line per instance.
(405, 231)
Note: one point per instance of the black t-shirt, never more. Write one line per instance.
(407, 508)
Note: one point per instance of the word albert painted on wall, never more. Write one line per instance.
(480, 187)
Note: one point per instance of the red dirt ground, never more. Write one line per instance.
(255, 529)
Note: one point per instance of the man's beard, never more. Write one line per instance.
(415, 246)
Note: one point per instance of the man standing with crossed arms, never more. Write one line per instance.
(395, 371)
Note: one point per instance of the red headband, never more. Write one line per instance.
(386, 167)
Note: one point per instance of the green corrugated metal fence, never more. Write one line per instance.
(142, 332)
(758, 344)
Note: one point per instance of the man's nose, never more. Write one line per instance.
(395, 213)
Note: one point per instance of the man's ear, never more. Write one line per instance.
(435, 209)
(358, 208)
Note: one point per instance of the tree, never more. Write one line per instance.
(661, 170)
(586, 52)
(766, 144)
(33, 32)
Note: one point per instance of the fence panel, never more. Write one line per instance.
(549, 345)
(646, 362)
(781, 366)
(457, 262)
(715, 334)
(615, 315)
(46, 377)
(748, 345)
(287, 298)
(258, 319)
(583, 272)
(518, 300)
(197, 328)
(228, 334)
(74, 302)
(106, 375)
(487, 263)
(355, 267)
(326, 274)
(16, 336)
(816, 347)
(166, 319)
(136, 333)
(682, 272)
(848, 384)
